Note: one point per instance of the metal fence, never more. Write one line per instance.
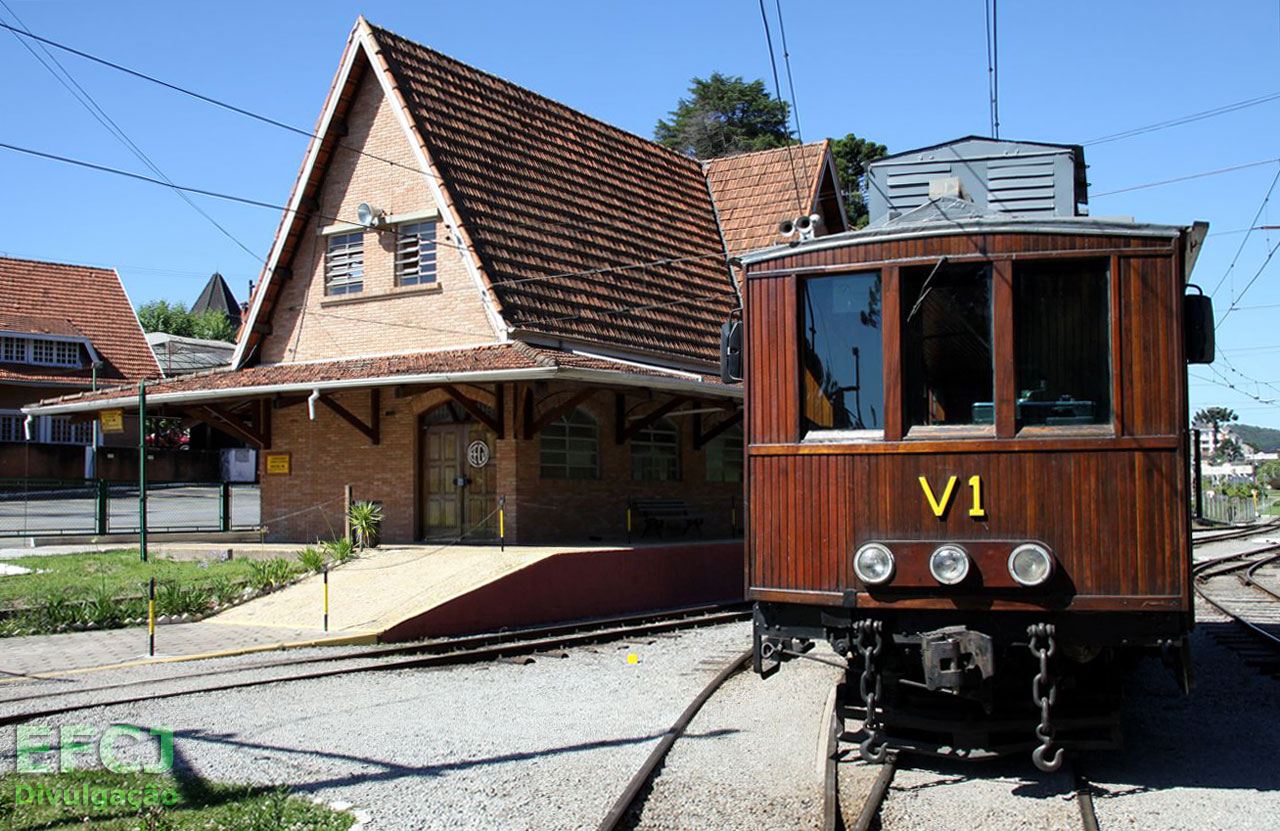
(1229, 509)
(53, 507)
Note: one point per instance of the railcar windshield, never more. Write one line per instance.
(1062, 343)
(948, 374)
(843, 355)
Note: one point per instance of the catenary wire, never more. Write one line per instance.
(777, 86)
(1186, 119)
(1187, 178)
(1252, 226)
(86, 100)
(1248, 285)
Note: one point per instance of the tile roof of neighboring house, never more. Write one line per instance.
(179, 355)
(387, 370)
(36, 325)
(756, 191)
(75, 301)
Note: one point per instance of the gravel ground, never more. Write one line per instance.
(750, 759)
(547, 745)
(1000, 795)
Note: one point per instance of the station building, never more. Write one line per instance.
(480, 298)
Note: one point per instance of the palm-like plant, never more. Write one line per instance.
(366, 520)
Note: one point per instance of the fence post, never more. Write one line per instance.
(347, 531)
(502, 523)
(224, 507)
(102, 507)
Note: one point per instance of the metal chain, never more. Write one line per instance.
(1044, 694)
(870, 642)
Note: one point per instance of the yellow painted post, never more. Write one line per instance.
(151, 618)
(502, 523)
(326, 600)
(628, 523)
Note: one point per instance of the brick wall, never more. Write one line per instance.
(328, 453)
(383, 317)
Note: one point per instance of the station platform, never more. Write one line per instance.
(407, 592)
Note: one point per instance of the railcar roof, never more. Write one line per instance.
(947, 216)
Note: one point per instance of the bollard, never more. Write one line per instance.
(628, 523)
(326, 599)
(142, 469)
(151, 618)
(102, 506)
(502, 523)
(224, 507)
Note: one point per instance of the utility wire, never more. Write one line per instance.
(1187, 178)
(777, 86)
(786, 61)
(993, 66)
(1185, 119)
(1248, 285)
(108, 123)
(1252, 225)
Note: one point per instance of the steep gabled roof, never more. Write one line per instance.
(579, 230)
(217, 296)
(755, 191)
(75, 302)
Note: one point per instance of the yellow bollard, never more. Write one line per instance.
(326, 600)
(151, 618)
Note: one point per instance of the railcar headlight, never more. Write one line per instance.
(1031, 564)
(873, 563)
(949, 564)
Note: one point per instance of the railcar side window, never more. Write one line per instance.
(948, 374)
(842, 360)
(1062, 337)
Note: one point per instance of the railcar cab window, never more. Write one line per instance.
(1062, 336)
(947, 368)
(842, 362)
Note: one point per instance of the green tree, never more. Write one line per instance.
(852, 155)
(1269, 475)
(175, 319)
(1215, 417)
(723, 115)
(1229, 450)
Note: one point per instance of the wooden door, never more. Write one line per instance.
(458, 482)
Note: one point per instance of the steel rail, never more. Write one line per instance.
(1084, 798)
(631, 793)
(495, 646)
(875, 798)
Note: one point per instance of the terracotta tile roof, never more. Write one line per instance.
(76, 301)
(543, 190)
(382, 370)
(756, 191)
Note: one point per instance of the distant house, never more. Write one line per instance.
(63, 329)
(181, 356)
(481, 299)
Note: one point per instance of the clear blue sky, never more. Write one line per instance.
(906, 75)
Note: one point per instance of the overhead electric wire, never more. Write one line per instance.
(95, 109)
(1248, 285)
(1186, 119)
(993, 65)
(777, 86)
(1252, 225)
(786, 62)
(1187, 177)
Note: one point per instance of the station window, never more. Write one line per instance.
(842, 360)
(1062, 337)
(570, 447)
(416, 254)
(655, 453)
(724, 456)
(948, 374)
(344, 264)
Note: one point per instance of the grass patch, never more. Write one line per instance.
(137, 802)
(113, 573)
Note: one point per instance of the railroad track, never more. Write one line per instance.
(1242, 588)
(631, 796)
(445, 652)
(1233, 533)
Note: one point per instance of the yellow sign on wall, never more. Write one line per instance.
(112, 421)
(277, 464)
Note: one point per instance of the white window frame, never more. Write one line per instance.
(655, 453)
(344, 264)
(416, 253)
(15, 349)
(574, 434)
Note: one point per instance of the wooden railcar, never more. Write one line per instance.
(982, 382)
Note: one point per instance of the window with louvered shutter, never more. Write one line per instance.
(344, 264)
(416, 254)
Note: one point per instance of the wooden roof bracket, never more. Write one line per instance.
(497, 425)
(700, 439)
(227, 421)
(625, 431)
(372, 430)
(535, 426)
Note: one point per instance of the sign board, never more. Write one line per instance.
(277, 464)
(112, 421)
(478, 454)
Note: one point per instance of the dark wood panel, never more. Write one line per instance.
(1151, 311)
(1043, 444)
(1092, 603)
(772, 361)
(1111, 518)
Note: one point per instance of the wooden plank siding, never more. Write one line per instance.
(1110, 503)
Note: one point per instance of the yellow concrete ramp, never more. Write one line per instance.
(386, 586)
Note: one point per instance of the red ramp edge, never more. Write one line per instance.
(588, 584)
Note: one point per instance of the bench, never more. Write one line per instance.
(656, 513)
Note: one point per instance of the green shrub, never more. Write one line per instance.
(341, 550)
(58, 610)
(222, 590)
(266, 574)
(174, 599)
(312, 559)
(366, 523)
(101, 609)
